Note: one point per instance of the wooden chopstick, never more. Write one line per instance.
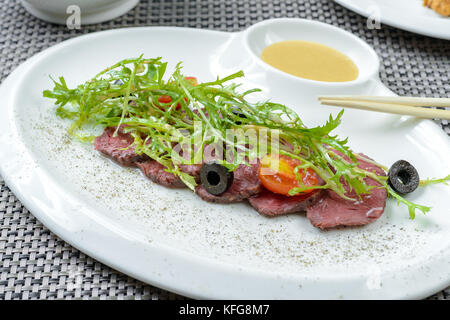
(410, 101)
(396, 108)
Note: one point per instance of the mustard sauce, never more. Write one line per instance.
(310, 60)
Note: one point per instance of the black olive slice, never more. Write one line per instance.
(238, 114)
(215, 178)
(403, 177)
(120, 83)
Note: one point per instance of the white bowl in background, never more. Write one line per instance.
(92, 11)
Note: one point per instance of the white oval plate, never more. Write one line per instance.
(409, 15)
(174, 240)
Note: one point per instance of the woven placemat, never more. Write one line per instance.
(36, 264)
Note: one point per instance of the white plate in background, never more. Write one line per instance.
(410, 15)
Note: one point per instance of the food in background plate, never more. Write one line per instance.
(210, 138)
(440, 6)
(310, 60)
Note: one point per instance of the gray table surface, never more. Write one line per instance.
(36, 264)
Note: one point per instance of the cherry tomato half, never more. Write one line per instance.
(192, 80)
(276, 173)
(167, 99)
(164, 99)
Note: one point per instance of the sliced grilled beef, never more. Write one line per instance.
(193, 170)
(332, 211)
(155, 171)
(245, 184)
(118, 147)
(272, 204)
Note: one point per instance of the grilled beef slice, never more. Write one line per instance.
(118, 147)
(156, 172)
(332, 211)
(272, 204)
(245, 184)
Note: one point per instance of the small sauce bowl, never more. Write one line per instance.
(300, 93)
(263, 34)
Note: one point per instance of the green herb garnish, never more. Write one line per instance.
(127, 94)
(431, 181)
